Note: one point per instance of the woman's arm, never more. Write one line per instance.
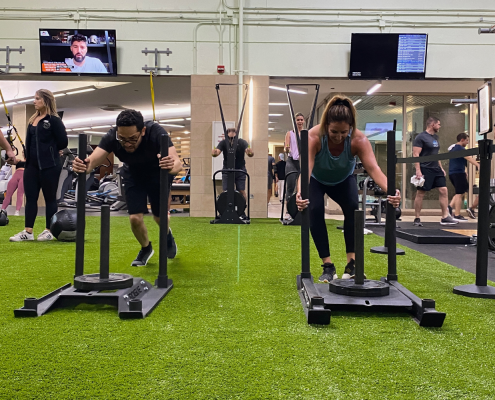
(314, 146)
(60, 133)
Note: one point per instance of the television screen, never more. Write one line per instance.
(375, 128)
(78, 51)
(388, 56)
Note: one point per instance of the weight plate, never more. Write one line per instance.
(94, 282)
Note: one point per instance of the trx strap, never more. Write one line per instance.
(12, 128)
(152, 95)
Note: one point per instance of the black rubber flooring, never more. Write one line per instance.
(461, 256)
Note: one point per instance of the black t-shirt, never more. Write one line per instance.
(280, 170)
(429, 146)
(144, 160)
(242, 145)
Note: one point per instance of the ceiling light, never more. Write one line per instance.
(285, 90)
(173, 126)
(178, 138)
(457, 105)
(374, 88)
(101, 126)
(81, 91)
(188, 118)
(271, 129)
(81, 129)
(25, 101)
(10, 104)
(172, 120)
(95, 133)
(278, 104)
(171, 104)
(357, 102)
(271, 122)
(275, 115)
(59, 94)
(186, 132)
(73, 136)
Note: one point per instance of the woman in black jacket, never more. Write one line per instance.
(45, 136)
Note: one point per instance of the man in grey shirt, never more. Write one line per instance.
(80, 62)
(426, 144)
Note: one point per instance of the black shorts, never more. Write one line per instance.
(240, 181)
(433, 179)
(139, 189)
(460, 182)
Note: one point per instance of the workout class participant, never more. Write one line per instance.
(332, 147)
(137, 144)
(271, 176)
(4, 144)
(292, 163)
(240, 163)
(426, 144)
(45, 136)
(280, 176)
(458, 177)
(15, 183)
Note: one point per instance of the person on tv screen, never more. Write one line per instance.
(80, 61)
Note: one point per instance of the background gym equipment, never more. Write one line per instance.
(63, 225)
(358, 294)
(291, 202)
(432, 236)
(230, 205)
(133, 297)
(4, 220)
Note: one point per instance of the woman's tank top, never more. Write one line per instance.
(331, 170)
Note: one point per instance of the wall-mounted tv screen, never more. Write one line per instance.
(78, 51)
(376, 128)
(388, 56)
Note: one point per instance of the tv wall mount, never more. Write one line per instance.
(155, 69)
(7, 65)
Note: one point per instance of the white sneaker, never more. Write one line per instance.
(16, 213)
(45, 236)
(22, 236)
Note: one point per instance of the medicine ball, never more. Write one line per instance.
(4, 220)
(63, 225)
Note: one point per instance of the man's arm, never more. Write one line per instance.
(287, 142)
(416, 152)
(249, 152)
(98, 157)
(473, 161)
(171, 162)
(6, 146)
(441, 167)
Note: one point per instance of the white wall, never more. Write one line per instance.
(280, 40)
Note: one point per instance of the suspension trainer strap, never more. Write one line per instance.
(152, 95)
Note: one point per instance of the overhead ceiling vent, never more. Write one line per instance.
(112, 107)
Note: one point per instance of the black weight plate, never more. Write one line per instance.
(369, 288)
(239, 203)
(94, 282)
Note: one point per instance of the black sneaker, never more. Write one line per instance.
(448, 220)
(470, 213)
(460, 218)
(417, 222)
(329, 273)
(350, 270)
(171, 246)
(143, 256)
(450, 210)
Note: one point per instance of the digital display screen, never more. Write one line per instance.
(388, 56)
(78, 51)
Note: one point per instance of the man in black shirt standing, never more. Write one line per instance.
(240, 163)
(137, 144)
(426, 144)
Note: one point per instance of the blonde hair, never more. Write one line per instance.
(49, 103)
(338, 109)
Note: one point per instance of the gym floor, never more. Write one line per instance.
(233, 325)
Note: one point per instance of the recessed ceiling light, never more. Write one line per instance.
(173, 125)
(278, 104)
(171, 104)
(172, 120)
(81, 91)
(81, 129)
(357, 102)
(101, 126)
(59, 94)
(275, 115)
(285, 90)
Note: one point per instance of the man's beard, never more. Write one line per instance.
(79, 57)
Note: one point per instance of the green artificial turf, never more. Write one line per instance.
(234, 328)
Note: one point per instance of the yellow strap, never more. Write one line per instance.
(4, 106)
(152, 95)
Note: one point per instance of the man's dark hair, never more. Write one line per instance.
(230, 130)
(131, 118)
(462, 136)
(78, 38)
(431, 121)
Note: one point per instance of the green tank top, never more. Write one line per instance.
(331, 170)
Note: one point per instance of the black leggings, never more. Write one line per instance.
(46, 180)
(346, 196)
